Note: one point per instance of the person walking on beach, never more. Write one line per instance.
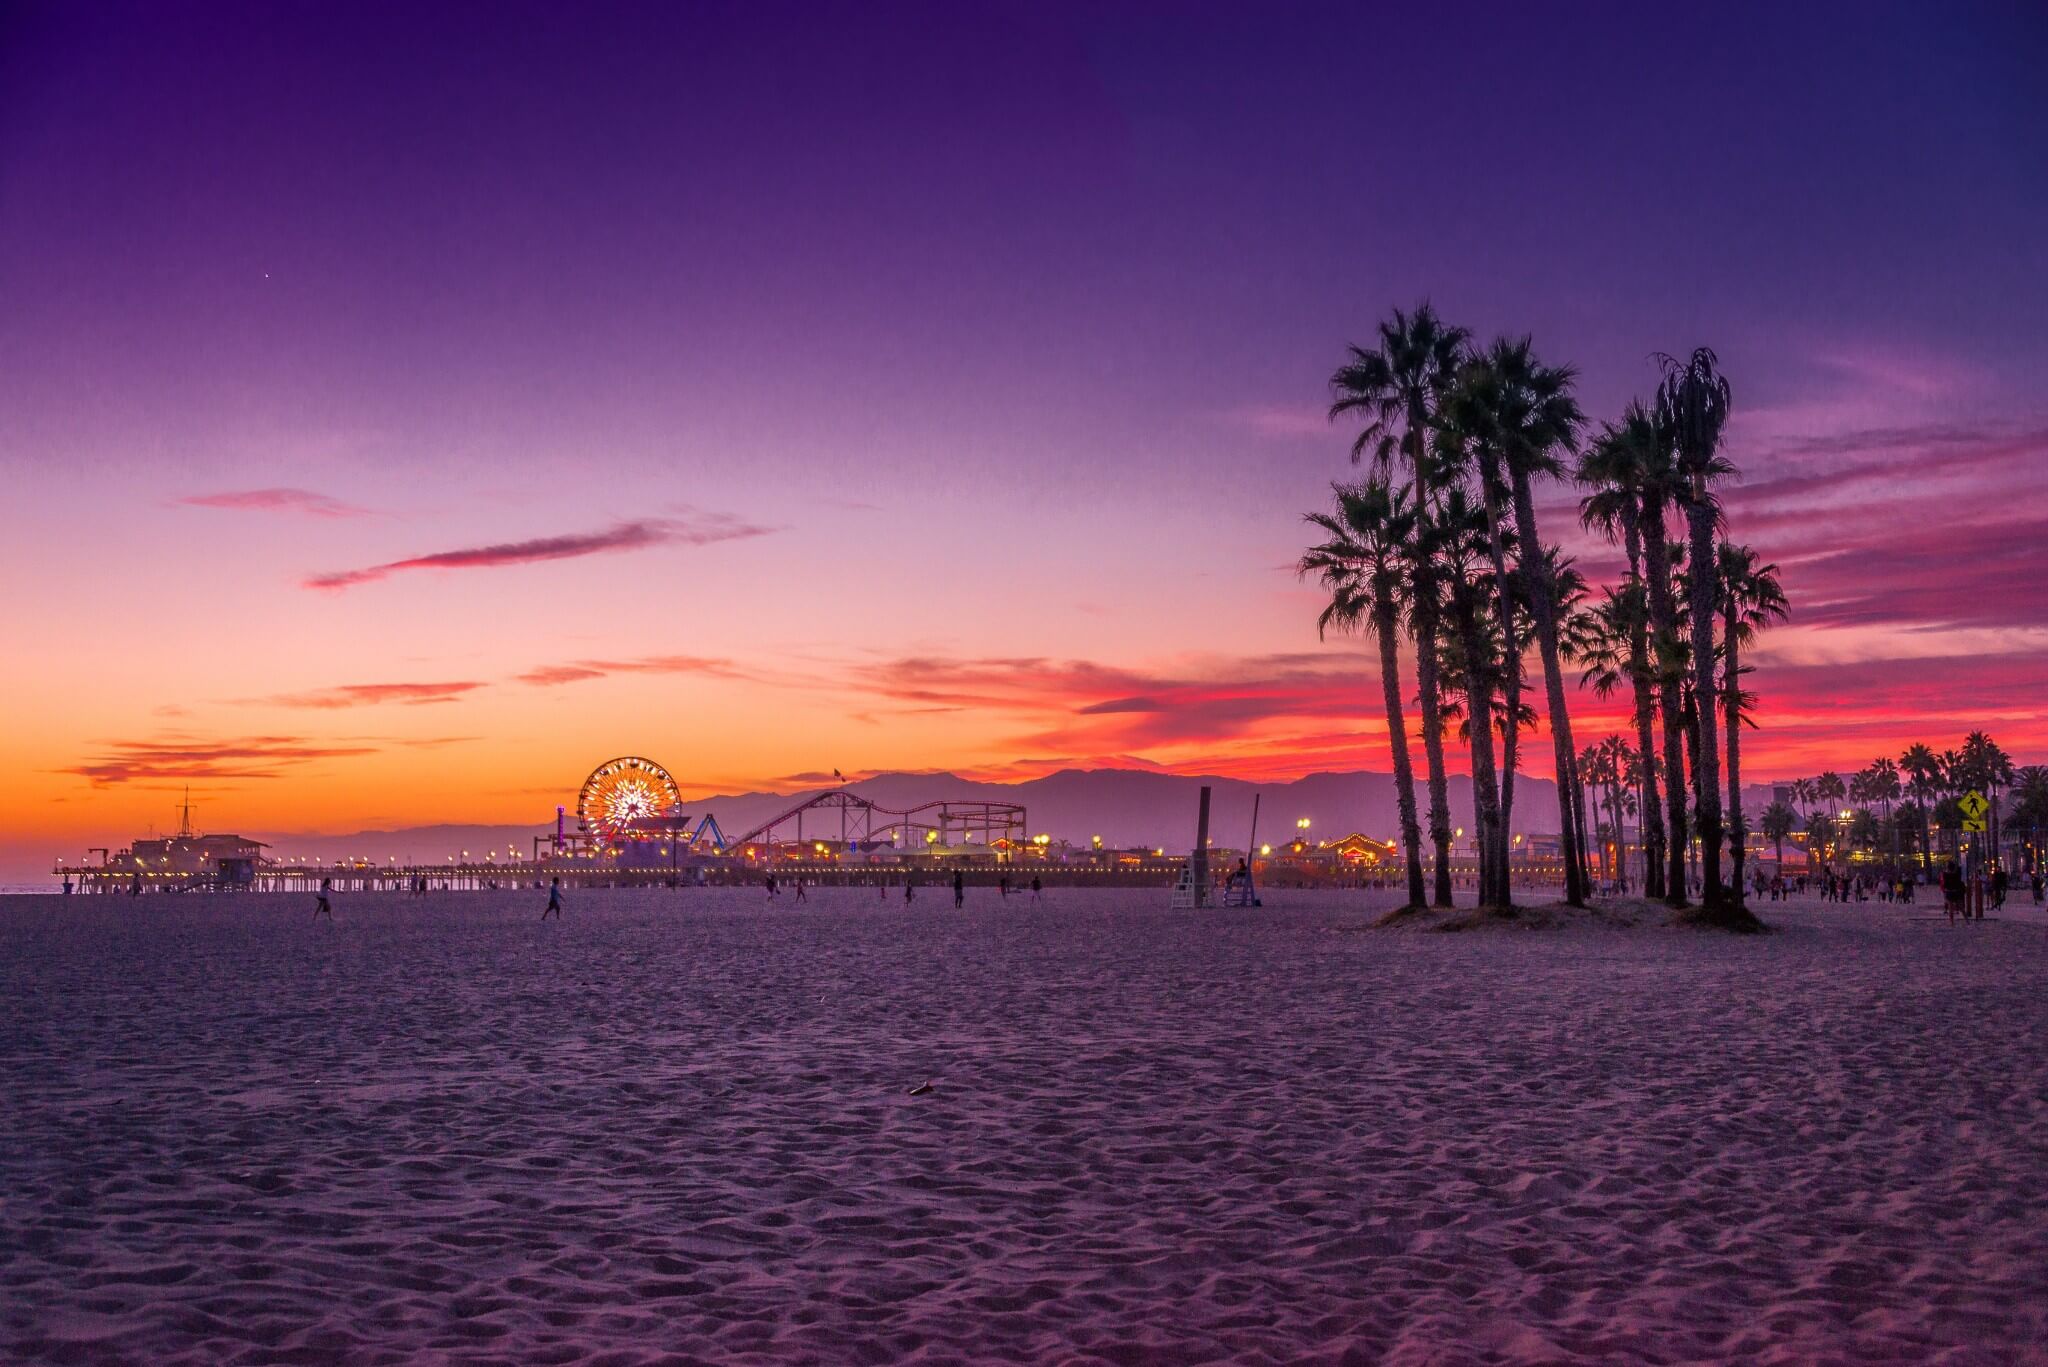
(321, 908)
(959, 890)
(1003, 886)
(909, 891)
(799, 889)
(1036, 888)
(554, 901)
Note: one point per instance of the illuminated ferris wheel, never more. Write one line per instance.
(623, 792)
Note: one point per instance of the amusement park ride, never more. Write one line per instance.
(630, 811)
(630, 826)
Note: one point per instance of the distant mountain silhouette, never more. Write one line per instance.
(1123, 806)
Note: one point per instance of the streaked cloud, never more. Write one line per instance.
(186, 757)
(303, 501)
(371, 695)
(697, 529)
(580, 670)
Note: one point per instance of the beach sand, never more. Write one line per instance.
(675, 1126)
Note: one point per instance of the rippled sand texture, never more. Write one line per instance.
(675, 1126)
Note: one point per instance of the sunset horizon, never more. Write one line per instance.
(1140, 682)
(487, 490)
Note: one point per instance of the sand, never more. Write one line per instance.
(676, 1127)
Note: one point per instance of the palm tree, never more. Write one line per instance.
(1830, 790)
(1617, 767)
(1475, 418)
(2030, 807)
(1657, 479)
(1692, 406)
(1538, 422)
(1881, 782)
(1398, 389)
(1614, 471)
(1921, 769)
(1751, 600)
(1461, 539)
(1365, 565)
(1779, 821)
(1820, 831)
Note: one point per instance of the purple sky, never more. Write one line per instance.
(848, 327)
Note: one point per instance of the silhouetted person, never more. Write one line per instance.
(321, 908)
(1003, 884)
(554, 901)
(799, 889)
(909, 892)
(959, 889)
(1036, 887)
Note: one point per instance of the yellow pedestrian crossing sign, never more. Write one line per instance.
(1974, 806)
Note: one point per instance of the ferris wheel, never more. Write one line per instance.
(622, 792)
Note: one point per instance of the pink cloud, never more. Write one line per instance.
(371, 695)
(277, 501)
(698, 530)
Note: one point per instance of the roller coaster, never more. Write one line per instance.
(866, 823)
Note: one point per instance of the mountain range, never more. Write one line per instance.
(1123, 806)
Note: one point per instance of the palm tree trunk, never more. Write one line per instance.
(1545, 608)
(1397, 741)
(1926, 834)
(1737, 836)
(1426, 677)
(1652, 818)
(1511, 658)
(1479, 719)
(1703, 556)
(1657, 565)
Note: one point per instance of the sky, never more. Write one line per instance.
(405, 408)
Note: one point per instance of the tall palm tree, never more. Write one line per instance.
(1539, 421)
(1365, 565)
(1692, 406)
(1614, 470)
(1830, 790)
(1474, 416)
(1777, 822)
(1658, 481)
(1461, 540)
(1398, 389)
(1921, 768)
(1881, 781)
(1751, 600)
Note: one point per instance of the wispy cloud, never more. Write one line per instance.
(303, 501)
(697, 529)
(1278, 420)
(577, 671)
(370, 695)
(185, 757)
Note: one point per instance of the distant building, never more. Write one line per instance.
(183, 858)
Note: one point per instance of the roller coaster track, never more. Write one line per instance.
(863, 820)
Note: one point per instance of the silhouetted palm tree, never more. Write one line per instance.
(1365, 565)
(1751, 600)
(1777, 822)
(1692, 406)
(1616, 471)
(1538, 422)
(1398, 389)
(1461, 539)
(1922, 768)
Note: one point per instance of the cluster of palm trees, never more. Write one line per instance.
(1437, 549)
(1913, 806)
